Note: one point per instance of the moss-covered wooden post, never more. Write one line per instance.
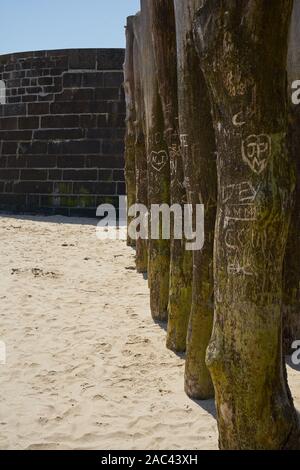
(130, 119)
(291, 291)
(140, 145)
(158, 170)
(199, 156)
(243, 51)
(165, 51)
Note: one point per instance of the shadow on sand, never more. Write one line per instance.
(206, 405)
(51, 219)
(293, 366)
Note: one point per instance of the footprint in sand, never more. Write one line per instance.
(99, 398)
(36, 272)
(43, 420)
(127, 353)
(104, 347)
(137, 340)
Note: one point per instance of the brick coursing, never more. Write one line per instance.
(62, 131)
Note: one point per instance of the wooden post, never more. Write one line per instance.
(165, 50)
(243, 50)
(199, 157)
(140, 145)
(158, 170)
(130, 119)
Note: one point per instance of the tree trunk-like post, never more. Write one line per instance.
(291, 291)
(140, 145)
(199, 157)
(243, 50)
(130, 119)
(165, 50)
(158, 171)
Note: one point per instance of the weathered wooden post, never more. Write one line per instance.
(243, 50)
(158, 170)
(165, 50)
(199, 157)
(140, 145)
(130, 119)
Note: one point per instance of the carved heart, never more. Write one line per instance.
(256, 151)
(159, 160)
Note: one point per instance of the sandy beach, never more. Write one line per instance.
(86, 367)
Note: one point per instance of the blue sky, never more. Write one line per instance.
(28, 25)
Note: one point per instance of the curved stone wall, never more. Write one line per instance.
(61, 131)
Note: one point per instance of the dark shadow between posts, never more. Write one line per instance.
(208, 406)
(162, 324)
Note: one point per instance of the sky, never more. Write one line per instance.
(30, 25)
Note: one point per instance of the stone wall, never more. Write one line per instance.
(62, 131)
